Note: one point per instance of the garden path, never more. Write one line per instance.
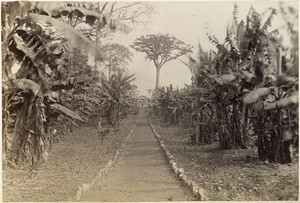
(141, 173)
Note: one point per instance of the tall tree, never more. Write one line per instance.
(160, 48)
(117, 58)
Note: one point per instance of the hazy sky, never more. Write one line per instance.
(189, 22)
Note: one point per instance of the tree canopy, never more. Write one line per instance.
(117, 57)
(160, 48)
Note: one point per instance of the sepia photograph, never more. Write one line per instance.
(150, 101)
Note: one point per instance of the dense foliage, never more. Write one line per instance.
(40, 76)
(247, 89)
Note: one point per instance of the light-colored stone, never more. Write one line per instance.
(99, 174)
(185, 181)
(78, 196)
(85, 188)
(192, 185)
(201, 194)
(195, 190)
(109, 164)
(79, 193)
(173, 166)
(181, 171)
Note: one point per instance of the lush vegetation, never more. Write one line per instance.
(247, 89)
(46, 75)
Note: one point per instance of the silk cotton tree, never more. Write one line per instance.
(160, 48)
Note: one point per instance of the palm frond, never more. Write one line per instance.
(66, 111)
(235, 14)
(76, 38)
(268, 21)
(58, 9)
(255, 95)
(26, 84)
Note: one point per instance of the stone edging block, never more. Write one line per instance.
(198, 192)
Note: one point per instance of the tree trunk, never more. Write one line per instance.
(157, 77)
(109, 72)
(19, 129)
(197, 137)
(98, 42)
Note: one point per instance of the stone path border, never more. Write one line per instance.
(85, 187)
(198, 192)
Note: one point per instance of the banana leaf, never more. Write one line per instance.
(66, 111)
(282, 103)
(255, 95)
(26, 84)
(76, 38)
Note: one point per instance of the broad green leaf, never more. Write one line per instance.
(20, 46)
(246, 75)
(287, 135)
(76, 38)
(282, 103)
(227, 79)
(56, 10)
(26, 84)
(52, 96)
(255, 95)
(66, 111)
(285, 79)
(240, 32)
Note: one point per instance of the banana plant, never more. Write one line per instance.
(35, 49)
(114, 96)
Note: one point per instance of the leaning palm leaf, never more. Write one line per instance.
(26, 84)
(268, 21)
(253, 20)
(66, 111)
(282, 103)
(287, 135)
(74, 37)
(29, 49)
(235, 14)
(56, 10)
(255, 95)
(247, 75)
(285, 80)
(225, 79)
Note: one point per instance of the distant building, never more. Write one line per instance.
(141, 101)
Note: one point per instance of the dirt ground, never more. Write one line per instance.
(73, 161)
(230, 174)
(141, 173)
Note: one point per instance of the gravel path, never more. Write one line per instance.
(141, 173)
